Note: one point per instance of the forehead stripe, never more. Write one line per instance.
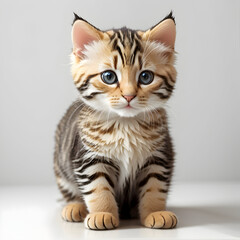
(115, 61)
(120, 53)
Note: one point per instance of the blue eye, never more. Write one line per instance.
(145, 77)
(109, 77)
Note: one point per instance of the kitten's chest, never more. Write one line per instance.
(127, 141)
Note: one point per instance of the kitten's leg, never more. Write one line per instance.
(75, 210)
(103, 209)
(97, 186)
(152, 203)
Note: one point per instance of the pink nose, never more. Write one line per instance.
(129, 97)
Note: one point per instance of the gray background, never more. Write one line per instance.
(36, 85)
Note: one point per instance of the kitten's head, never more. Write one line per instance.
(124, 71)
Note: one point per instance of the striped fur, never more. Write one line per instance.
(114, 157)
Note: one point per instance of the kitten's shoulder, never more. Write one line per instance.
(70, 116)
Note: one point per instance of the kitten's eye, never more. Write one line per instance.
(145, 77)
(109, 77)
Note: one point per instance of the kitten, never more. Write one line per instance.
(114, 156)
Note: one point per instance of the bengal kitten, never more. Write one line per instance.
(114, 155)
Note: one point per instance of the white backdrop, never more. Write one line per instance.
(36, 85)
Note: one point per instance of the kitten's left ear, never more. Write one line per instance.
(163, 32)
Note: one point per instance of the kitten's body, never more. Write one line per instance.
(127, 144)
(118, 158)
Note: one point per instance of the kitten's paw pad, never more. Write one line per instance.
(101, 221)
(74, 212)
(161, 219)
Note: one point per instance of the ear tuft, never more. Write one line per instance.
(170, 16)
(76, 17)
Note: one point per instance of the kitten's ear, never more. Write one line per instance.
(83, 33)
(163, 32)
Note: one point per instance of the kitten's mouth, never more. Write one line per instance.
(128, 106)
(127, 111)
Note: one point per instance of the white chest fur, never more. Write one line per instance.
(123, 140)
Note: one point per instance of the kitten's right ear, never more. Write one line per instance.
(83, 33)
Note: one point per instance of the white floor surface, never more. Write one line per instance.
(205, 211)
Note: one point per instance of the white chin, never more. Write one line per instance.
(126, 112)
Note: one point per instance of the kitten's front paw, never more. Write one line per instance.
(74, 212)
(160, 219)
(101, 221)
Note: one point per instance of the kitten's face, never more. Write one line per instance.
(122, 71)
